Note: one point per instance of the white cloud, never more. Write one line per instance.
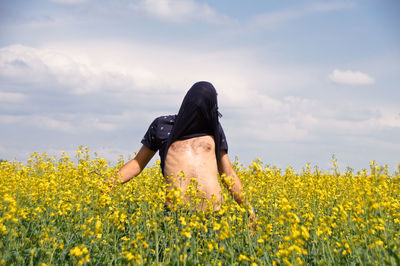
(389, 117)
(53, 124)
(11, 119)
(283, 131)
(64, 123)
(70, 2)
(101, 125)
(58, 69)
(274, 18)
(349, 77)
(147, 83)
(330, 6)
(272, 119)
(180, 11)
(11, 97)
(39, 121)
(124, 70)
(165, 69)
(143, 78)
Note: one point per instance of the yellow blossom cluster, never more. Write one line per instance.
(60, 211)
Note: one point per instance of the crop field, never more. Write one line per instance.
(59, 211)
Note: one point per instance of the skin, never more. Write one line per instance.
(194, 160)
(195, 157)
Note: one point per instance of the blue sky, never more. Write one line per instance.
(298, 81)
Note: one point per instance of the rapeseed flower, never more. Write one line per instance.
(58, 210)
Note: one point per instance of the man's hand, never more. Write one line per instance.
(252, 221)
(133, 167)
(235, 187)
(111, 182)
(231, 180)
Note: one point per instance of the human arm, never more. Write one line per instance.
(231, 180)
(134, 166)
(235, 187)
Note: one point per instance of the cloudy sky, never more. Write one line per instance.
(297, 81)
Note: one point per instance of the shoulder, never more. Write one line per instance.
(162, 124)
(158, 132)
(164, 119)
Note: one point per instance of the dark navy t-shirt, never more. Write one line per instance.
(159, 130)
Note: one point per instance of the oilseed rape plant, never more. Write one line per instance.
(59, 210)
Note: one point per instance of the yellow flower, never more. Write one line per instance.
(243, 258)
(76, 251)
(217, 226)
(187, 234)
(304, 232)
(339, 211)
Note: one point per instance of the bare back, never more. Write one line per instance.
(194, 159)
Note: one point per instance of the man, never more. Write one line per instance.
(192, 146)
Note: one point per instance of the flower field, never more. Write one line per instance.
(59, 210)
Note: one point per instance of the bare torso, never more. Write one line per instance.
(193, 159)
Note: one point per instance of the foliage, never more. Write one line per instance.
(57, 211)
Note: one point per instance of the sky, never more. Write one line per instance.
(298, 81)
